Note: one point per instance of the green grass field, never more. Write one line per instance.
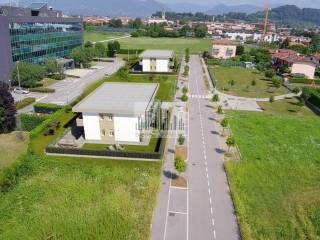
(81, 199)
(176, 44)
(276, 186)
(11, 146)
(243, 78)
(101, 36)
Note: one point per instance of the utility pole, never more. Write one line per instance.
(18, 74)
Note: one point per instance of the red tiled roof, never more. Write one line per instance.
(225, 41)
(289, 55)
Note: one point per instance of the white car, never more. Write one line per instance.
(20, 90)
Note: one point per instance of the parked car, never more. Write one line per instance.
(20, 90)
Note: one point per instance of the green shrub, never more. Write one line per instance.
(25, 102)
(185, 90)
(215, 98)
(184, 98)
(46, 108)
(180, 165)
(30, 121)
(181, 139)
(269, 73)
(253, 83)
(277, 81)
(271, 99)
(220, 110)
(59, 76)
(42, 90)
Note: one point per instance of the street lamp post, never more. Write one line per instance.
(18, 74)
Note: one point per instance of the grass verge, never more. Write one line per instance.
(276, 185)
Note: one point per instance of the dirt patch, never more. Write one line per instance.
(178, 181)
(181, 151)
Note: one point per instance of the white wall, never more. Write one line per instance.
(146, 65)
(91, 124)
(222, 54)
(126, 128)
(308, 69)
(162, 65)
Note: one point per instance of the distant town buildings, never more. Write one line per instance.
(224, 48)
(93, 20)
(34, 33)
(297, 63)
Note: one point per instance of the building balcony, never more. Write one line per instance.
(79, 122)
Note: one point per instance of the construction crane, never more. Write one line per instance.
(266, 19)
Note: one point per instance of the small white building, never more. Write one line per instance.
(116, 112)
(157, 60)
(224, 48)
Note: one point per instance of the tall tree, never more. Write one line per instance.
(29, 74)
(7, 110)
(51, 66)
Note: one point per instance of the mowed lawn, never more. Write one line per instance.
(81, 199)
(101, 36)
(11, 146)
(243, 79)
(276, 186)
(177, 44)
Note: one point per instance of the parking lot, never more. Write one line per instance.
(70, 88)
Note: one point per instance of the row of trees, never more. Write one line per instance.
(31, 74)
(158, 30)
(84, 55)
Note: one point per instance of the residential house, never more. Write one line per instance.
(117, 112)
(157, 60)
(224, 48)
(298, 64)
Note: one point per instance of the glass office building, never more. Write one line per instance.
(33, 42)
(35, 33)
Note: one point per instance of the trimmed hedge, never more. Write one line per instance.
(108, 153)
(46, 108)
(25, 102)
(42, 90)
(30, 121)
(303, 80)
(311, 95)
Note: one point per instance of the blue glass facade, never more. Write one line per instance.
(33, 42)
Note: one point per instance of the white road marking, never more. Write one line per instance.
(204, 153)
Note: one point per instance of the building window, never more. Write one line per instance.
(110, 117)
(103, 132)
(111, 133)
(101, 116)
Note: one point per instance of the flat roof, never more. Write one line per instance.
(162, 54)
(119, 98)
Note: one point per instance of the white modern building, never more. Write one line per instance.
(116, 112)
(157, 60)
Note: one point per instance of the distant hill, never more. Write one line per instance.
(291, 14)
(132, 8)
(221, 9)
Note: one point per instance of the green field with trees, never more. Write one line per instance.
(276, 184)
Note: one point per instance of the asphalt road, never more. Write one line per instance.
(211, 212)
(69, 89)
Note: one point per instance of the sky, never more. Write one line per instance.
(301, 3)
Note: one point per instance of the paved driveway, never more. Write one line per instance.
(69, 89)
